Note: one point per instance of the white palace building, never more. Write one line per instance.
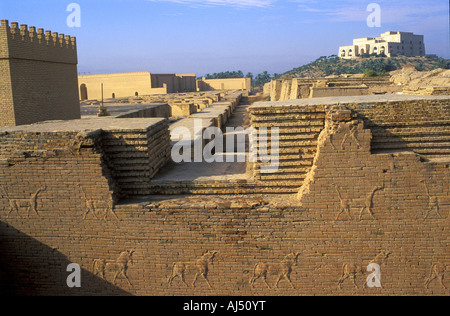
(390, 43)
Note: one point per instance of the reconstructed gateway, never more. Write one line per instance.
(361, 180)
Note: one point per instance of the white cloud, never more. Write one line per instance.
(231, 3)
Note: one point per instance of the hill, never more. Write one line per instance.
(333, 65)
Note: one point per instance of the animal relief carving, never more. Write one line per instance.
(119, 267)
(93, 206)
(368, 203)
(352, 135)
(30, 204)
(352, 270)
(344, 205)
(433, 204)
(438, 271)
(200, 266)
(282, 270)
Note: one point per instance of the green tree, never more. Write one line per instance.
(262, 78)
(370, 73)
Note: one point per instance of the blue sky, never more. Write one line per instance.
(206, 36)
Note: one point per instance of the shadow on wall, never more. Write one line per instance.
(421, 136)
(30, 268)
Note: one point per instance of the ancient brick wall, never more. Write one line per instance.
(353, 209)
(417, 124)
(298, 130)
(126, 154)
(6, 97)
(67, 167)
(421, 125)
(224, 84)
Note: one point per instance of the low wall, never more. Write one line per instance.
(224, 84)
(162, 110)
(426, 90)
(302, 88)
(182, 109)
(130, 110)
(319, 92)
(105, 159)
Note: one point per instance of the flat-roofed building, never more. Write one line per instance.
(390, 44)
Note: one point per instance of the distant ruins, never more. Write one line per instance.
(407, 81)
(38, 75)
(390, 44)
(361, 192)
(225, 84)
(121, 85)
(134, 84)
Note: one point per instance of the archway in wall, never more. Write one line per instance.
(363, 51)
(83, 92)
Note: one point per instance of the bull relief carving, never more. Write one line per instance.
(200, 266)
(93, 206)
(120, 267)
(30, 204)
(437, 272)
(282, 270)
(352, 270)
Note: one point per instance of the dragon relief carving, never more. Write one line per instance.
(433, 203)
(344, 204)
(30, 204)
(368, 203)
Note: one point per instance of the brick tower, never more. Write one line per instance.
(38, 75)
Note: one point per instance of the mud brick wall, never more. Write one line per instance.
(52, 173)
(240, 233)
(299, 128)
(38, 75)
(426, 90)
(136, 155)
(418, 125)
(398, 123)
(128, 153)
(162, 110)
(354, 208)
